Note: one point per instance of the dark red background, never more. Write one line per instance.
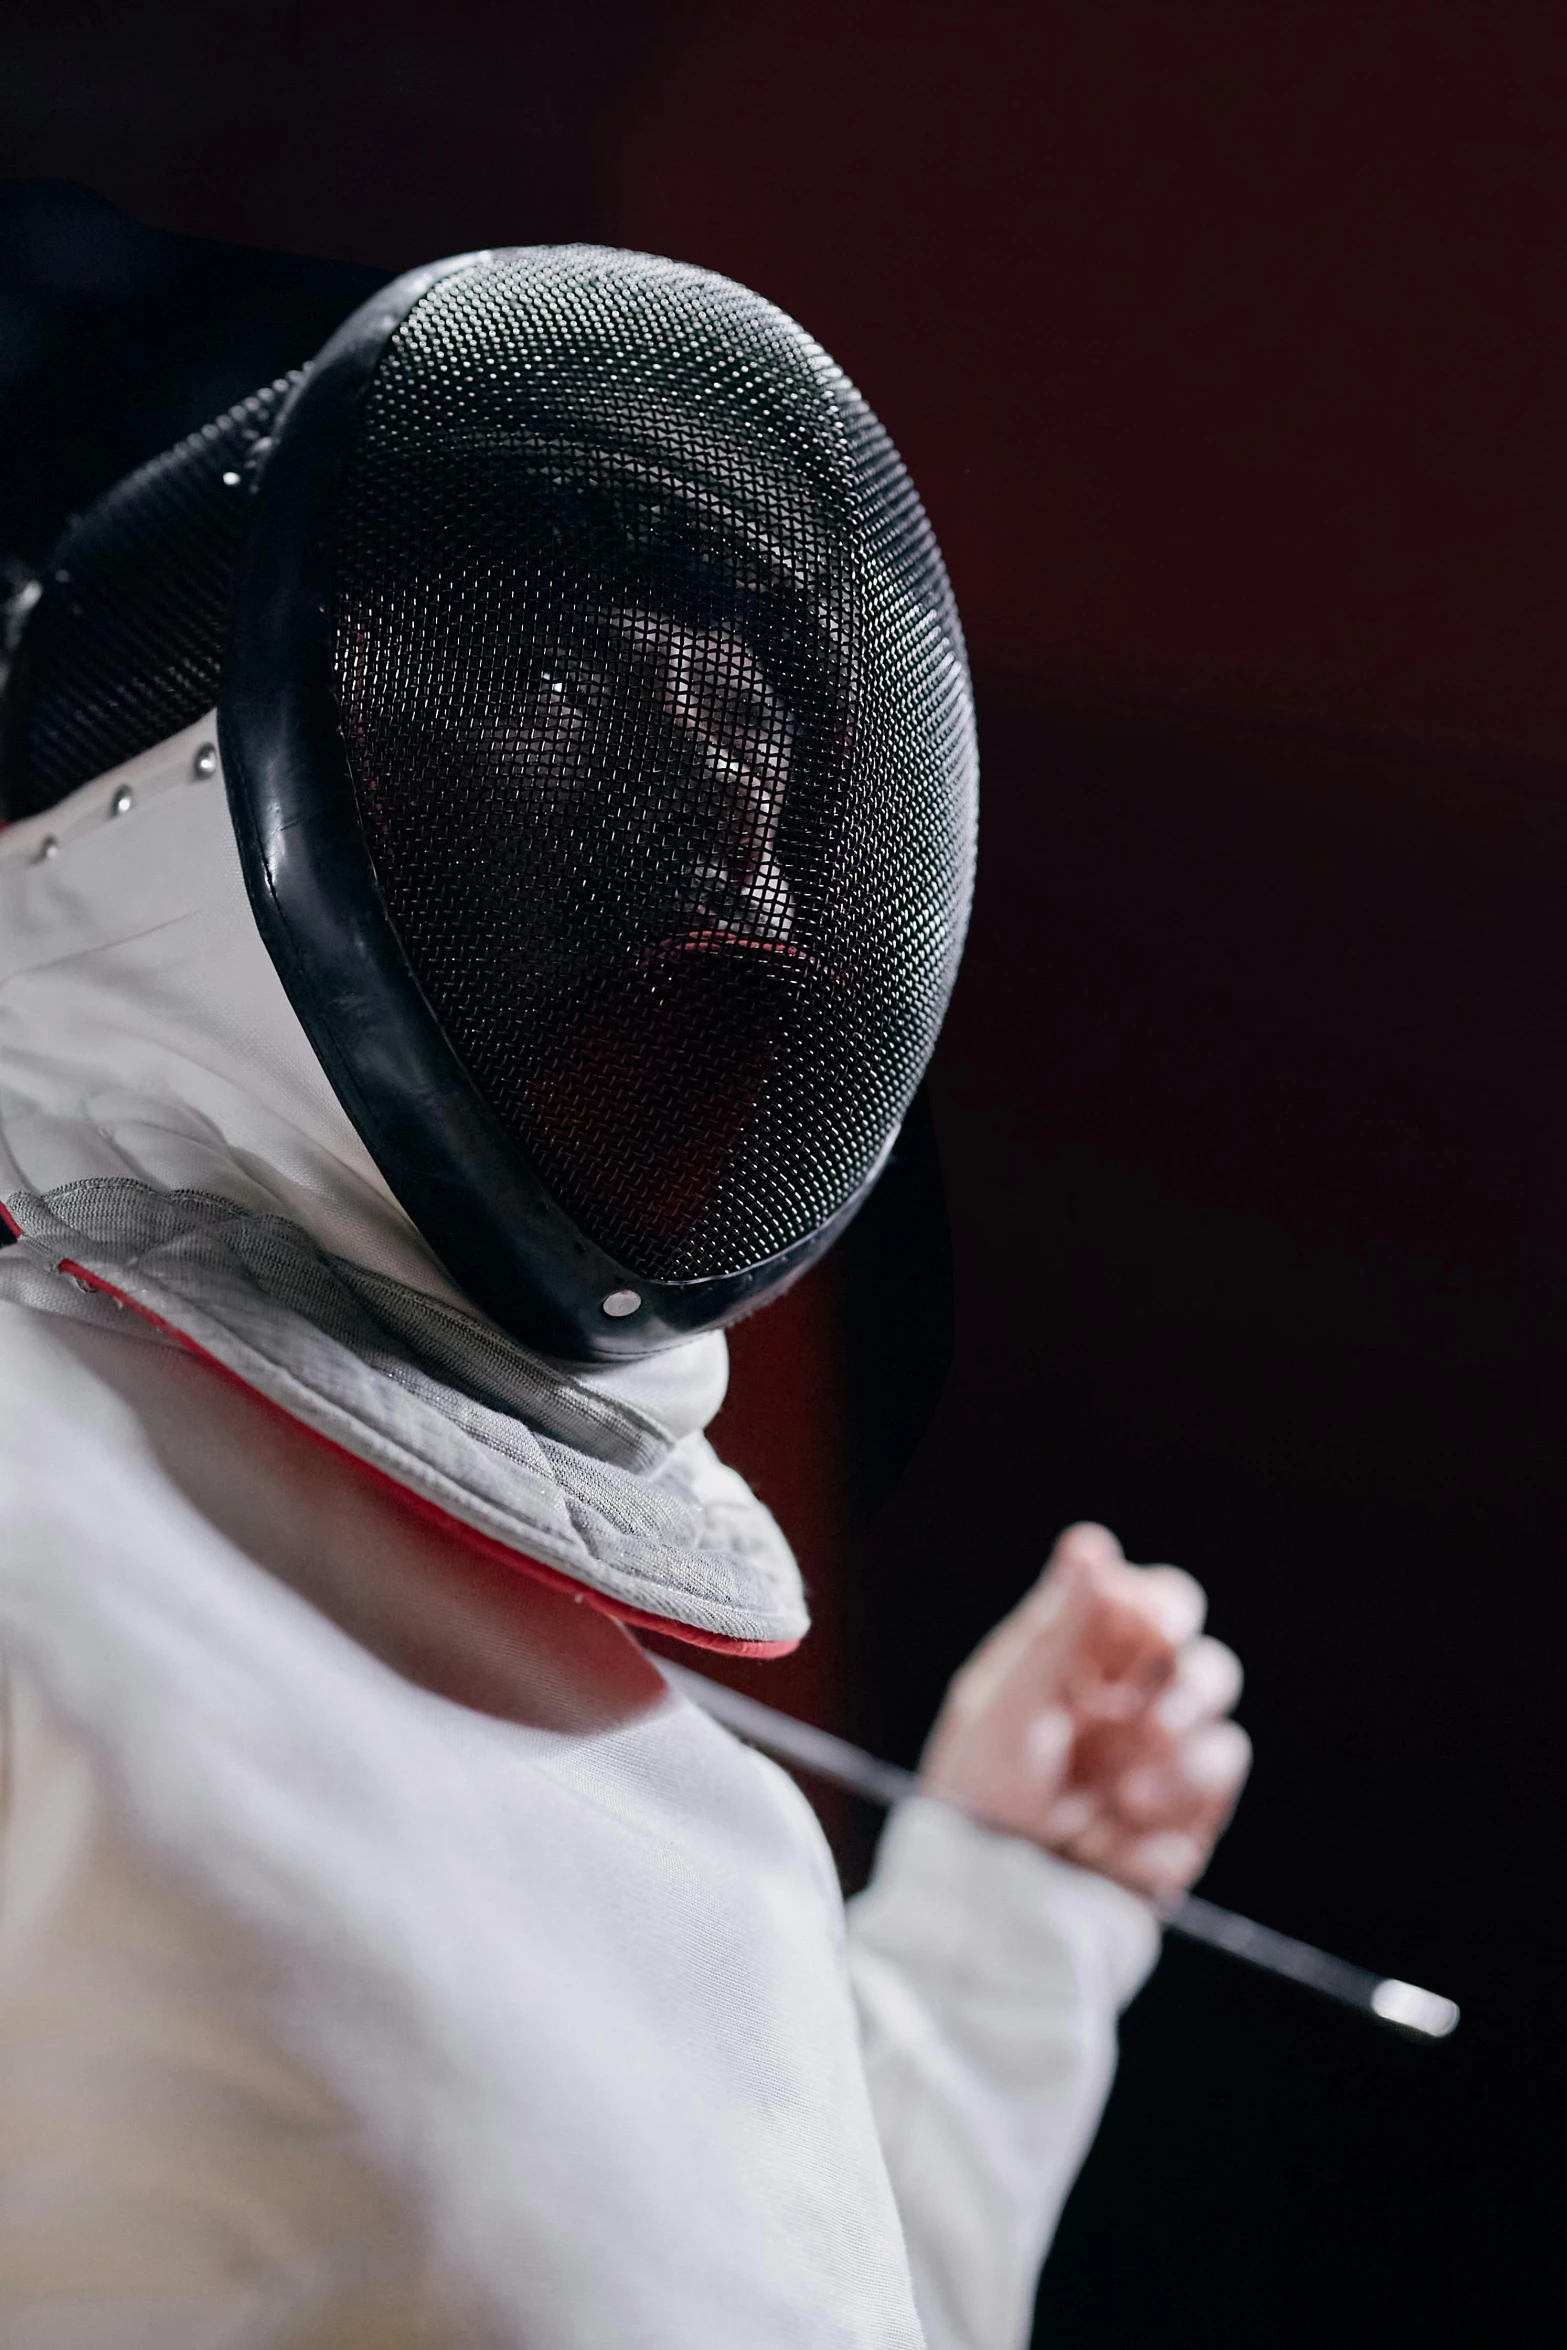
(1226, 343)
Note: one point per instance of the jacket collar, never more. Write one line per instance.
(147, 1045)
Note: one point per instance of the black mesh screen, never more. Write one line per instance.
(127, 641)
(657, 711)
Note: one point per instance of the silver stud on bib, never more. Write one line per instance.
(620, 1303)
(123, 801)
(205, 763)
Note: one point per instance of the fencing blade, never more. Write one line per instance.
(1421, 2015)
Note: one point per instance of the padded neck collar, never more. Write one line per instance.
(144, 1033)
(168, 1137)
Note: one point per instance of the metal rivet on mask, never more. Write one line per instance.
(123, 802)
(621, 1302)
(48, 847)
(205, 762)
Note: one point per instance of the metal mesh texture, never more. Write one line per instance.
(126, 643)
(657, 710)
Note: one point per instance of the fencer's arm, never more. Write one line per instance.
(988, 1967)
(988, 1976)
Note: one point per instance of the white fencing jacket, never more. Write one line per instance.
(387, 1956)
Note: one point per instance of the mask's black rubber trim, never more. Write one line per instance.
(466, 1184)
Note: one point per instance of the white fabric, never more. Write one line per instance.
(559, 2018)
(336, 2012)
(672, 1534)
(386, 1958)
(145, 1032)
(988, 1978)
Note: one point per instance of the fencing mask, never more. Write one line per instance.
(599, 743)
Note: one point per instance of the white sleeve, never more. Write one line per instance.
(988, 1978)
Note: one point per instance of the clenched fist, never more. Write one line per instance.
(1093, 1720)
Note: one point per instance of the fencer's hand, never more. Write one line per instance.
(1094, 1720)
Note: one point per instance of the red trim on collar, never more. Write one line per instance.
(484, 1545)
